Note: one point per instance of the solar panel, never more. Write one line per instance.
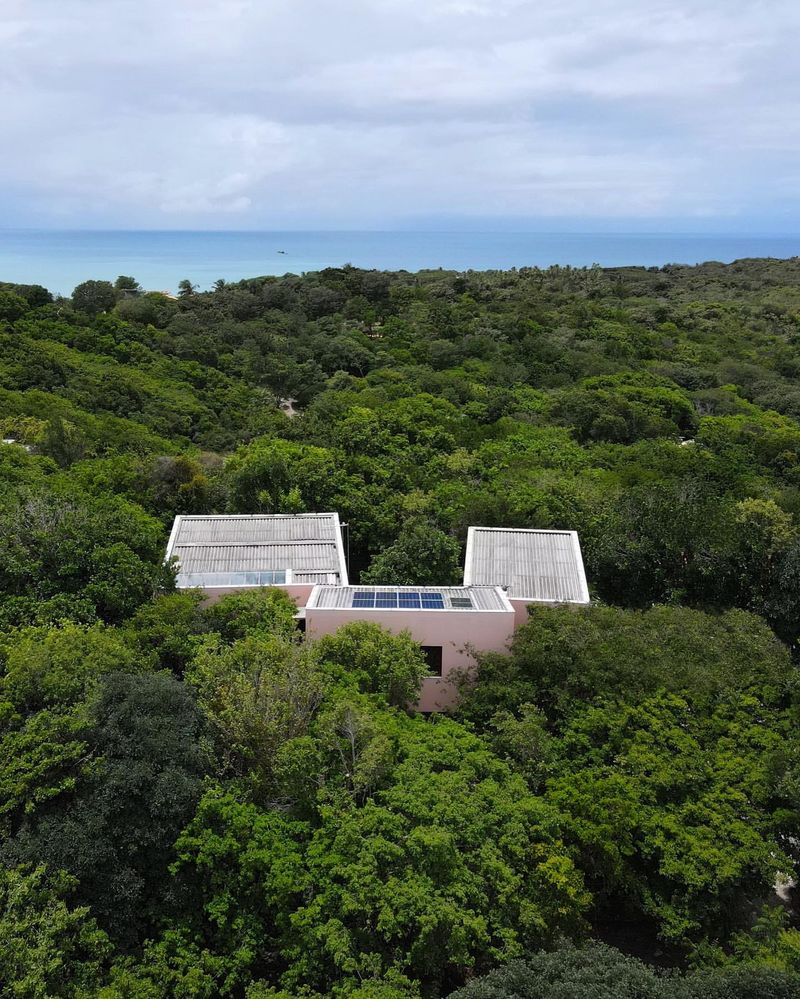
(432, 601)
(461, 603)
(364, 598)
(409, 601)
(383, 599)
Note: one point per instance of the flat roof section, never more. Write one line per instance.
(257, 549)
(540, 566)
(409, 598)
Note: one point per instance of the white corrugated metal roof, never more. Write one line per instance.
(540, 566)
(305, 545)
(310, 556)
(481, 598)
(254, 528)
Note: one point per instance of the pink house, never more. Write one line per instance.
(507, 571)
(449, 622)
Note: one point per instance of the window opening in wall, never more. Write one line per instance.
(433, 653)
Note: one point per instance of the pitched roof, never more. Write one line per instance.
(540, 566)
(254, 549)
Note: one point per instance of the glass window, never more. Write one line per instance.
(433, 653)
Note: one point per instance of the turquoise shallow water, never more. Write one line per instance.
(159, 260)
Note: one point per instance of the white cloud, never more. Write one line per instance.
(242, 112)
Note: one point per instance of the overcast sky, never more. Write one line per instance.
(377, 113)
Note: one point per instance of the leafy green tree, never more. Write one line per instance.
(93, 297)
(663, 543)
(787, 804)
(56, 668)
(146, 308)
(770, 942)
(115, 831)
(377, 662)
(390, 986)
(34, 294)
(244, 871)
(743, 983)
(594, 971)
(105, 550)
(126, 283)
(166, 629)
(451, 866)
(626, 407)
(685, 543)
(48, 947)
(50, 676)
(268, 610)
(260, 693)
(524, 740)
(274, 476)
(564, 657)
(421, 556)
(179, 484)
(447, 864)
(170, 965)
(121, 581)
(661, 732)
(63, 442)
(671, 810)
(12, 306)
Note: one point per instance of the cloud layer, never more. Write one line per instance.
(283, 113)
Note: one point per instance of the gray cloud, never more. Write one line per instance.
(248, 113)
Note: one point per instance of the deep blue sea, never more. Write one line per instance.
(159, 260)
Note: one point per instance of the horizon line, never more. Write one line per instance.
(750, 233)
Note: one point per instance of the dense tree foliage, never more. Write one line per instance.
(196, 802)
(94, 296)
(599, 972)
(662, 736)
(421, 556)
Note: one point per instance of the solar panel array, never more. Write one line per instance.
(409, 598)
(398, 600)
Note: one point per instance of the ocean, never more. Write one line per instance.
(159, 260)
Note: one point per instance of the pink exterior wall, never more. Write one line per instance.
(486, 631)
(520, 611)
(299, 592)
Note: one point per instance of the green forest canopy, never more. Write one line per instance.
(195, 803)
